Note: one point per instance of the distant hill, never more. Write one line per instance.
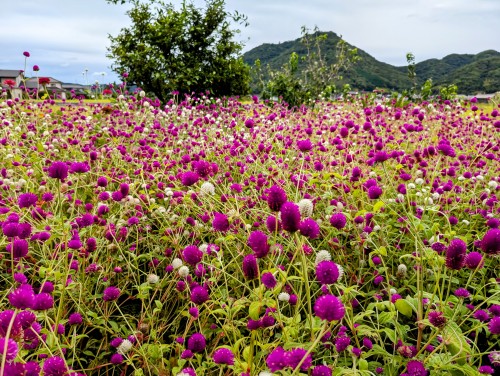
(471, 73)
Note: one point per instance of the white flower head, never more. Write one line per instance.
(207, 188)
(323, 255)
(153, 279)
(341, 271)
(124, 347)
(305, 207)
(284, 297)
(183, 271)
(176, 263)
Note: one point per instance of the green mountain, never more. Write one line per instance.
(471, 73)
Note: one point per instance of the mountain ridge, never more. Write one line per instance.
(472, 73)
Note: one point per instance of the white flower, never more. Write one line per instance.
(203, 247)
(305, 207)
(376, 228)
(183, 271)
(323, 255)
(284, 297)
(341, 271)
(411, 186)
(465, 222)
(493, 184)
(124, 347)
(265, 373)
(176, 263)
(153, 279)
(419, 181)
(207, 188)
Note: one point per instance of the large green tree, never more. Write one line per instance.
(189, 49)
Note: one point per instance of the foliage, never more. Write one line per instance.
(471, 73)
(185, 50)
(139, 238)
(315, 80)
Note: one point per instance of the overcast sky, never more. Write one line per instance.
(67, 37)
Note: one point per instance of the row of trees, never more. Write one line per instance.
(190, 49)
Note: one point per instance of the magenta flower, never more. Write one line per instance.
(26, 54)
(455, 254)
(23, 297)
(12, 349)
(79, 167)
(321, 371)
(273, 224)
(75, 319)
(111, 293)
(58, 170)
(490, 244)
(327, 272)
(474, 260)
(295, 356)
(197, 343)
(338, 220)
(290, 216)
(10, 229)
(54, 366)
(309, 228)
(268, 280)
(189, 178)
(18, 248)
(199, 295)
(304, 145)
(437, 319)
(220, 222)
(494, 325)
(258, 242)
(27, 200)
(250, 267)
(374, 192)
(415, 368)
(276, 197)
(116, 359)
(329, 307)
(192, 254)
(223, 356)
(276, 360)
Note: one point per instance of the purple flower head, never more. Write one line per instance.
(276, 198)
(327, 272)
(189, 371)
(268, 280)
(24, 230)
(187, 354)
(338, 220)
(446, 149)
(220, 222)
(189, 178)
(374, 192)
(494, 325)
(462, 293)
(18, 248)
(197, 343)
(43, 301)
(75, 319)
(490, 244)
(474, 260)
(58, 170)
(199, 295)
(79, 168)
(116, 359)
(341, 343)
(110, 293)
(124, 189)
(20, 278)
(250, 267)
(223, 356)
(258, 242)
(367, 343)
(192, 254)
(481, 315)
(102, 181)
(304, 145)
(75, 242)
(54, 366)
(5, 322)
(32, 368)
(329, 307)
(486, 370)
(273, 224)
(23, 297)
(26, 54)
(290, 216)
(455, 254)
(12, 349)
(437, 319)
(321, 371)
(309, 228)
(295, 356)
(10, 229)
(494, 358)
(415, 368)
(27, 200)
(276, 360)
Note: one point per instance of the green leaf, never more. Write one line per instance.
(254, 310)
(378, 205)
(404, 307)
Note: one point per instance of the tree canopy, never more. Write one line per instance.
(187, 50)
